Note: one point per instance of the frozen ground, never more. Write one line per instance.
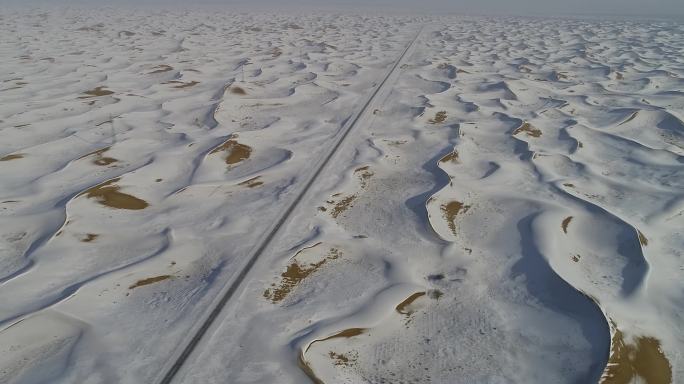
(506, 207)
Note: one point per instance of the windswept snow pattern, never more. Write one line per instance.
(507, 207)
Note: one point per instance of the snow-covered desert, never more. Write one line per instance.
(224, 197)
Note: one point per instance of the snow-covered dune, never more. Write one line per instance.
(506, 207)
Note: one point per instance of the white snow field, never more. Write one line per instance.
(219, 197)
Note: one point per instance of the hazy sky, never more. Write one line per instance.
(673, 8)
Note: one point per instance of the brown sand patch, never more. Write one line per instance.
(450, 158)
(252, 183)
(108, 194)
(149, 280)
(294, 274)
(643, 358)
(99, 158)
(529, 129)
(340, 359)
(308, 371)
(440, 117)
(237, 91)
(161, 69)
(341, 206)
(451, 210)
(403, 306)
(304, 365)
(13, 156)
(90, 237)
(642, 239)
(236, 152)
(99, 91)
(565, 223)
(364, 175)
(187, 85)
(347, 333)
(180, 85)
(395, 143)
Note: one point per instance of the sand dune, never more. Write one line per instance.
(505, 207)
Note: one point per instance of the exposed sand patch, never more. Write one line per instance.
(252, 183)
(161, 69)
(341, 359)
(238, 91)
(341, 206)
(450, 158)
(236, 152)
(642, 359)
(642, 238)
(13, 156)
(364, 175)
(529, 129)
(347, 333)
(97, 92)
(149, 280)
(108, 194)
(451, 210)
(403, 307)
(308, 371)
(294, 274)
(180, 84)
(565, 223)
(395, 143)
(90, 237)
(440, 117)
(99, 158)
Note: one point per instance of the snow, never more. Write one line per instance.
(506, 207)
